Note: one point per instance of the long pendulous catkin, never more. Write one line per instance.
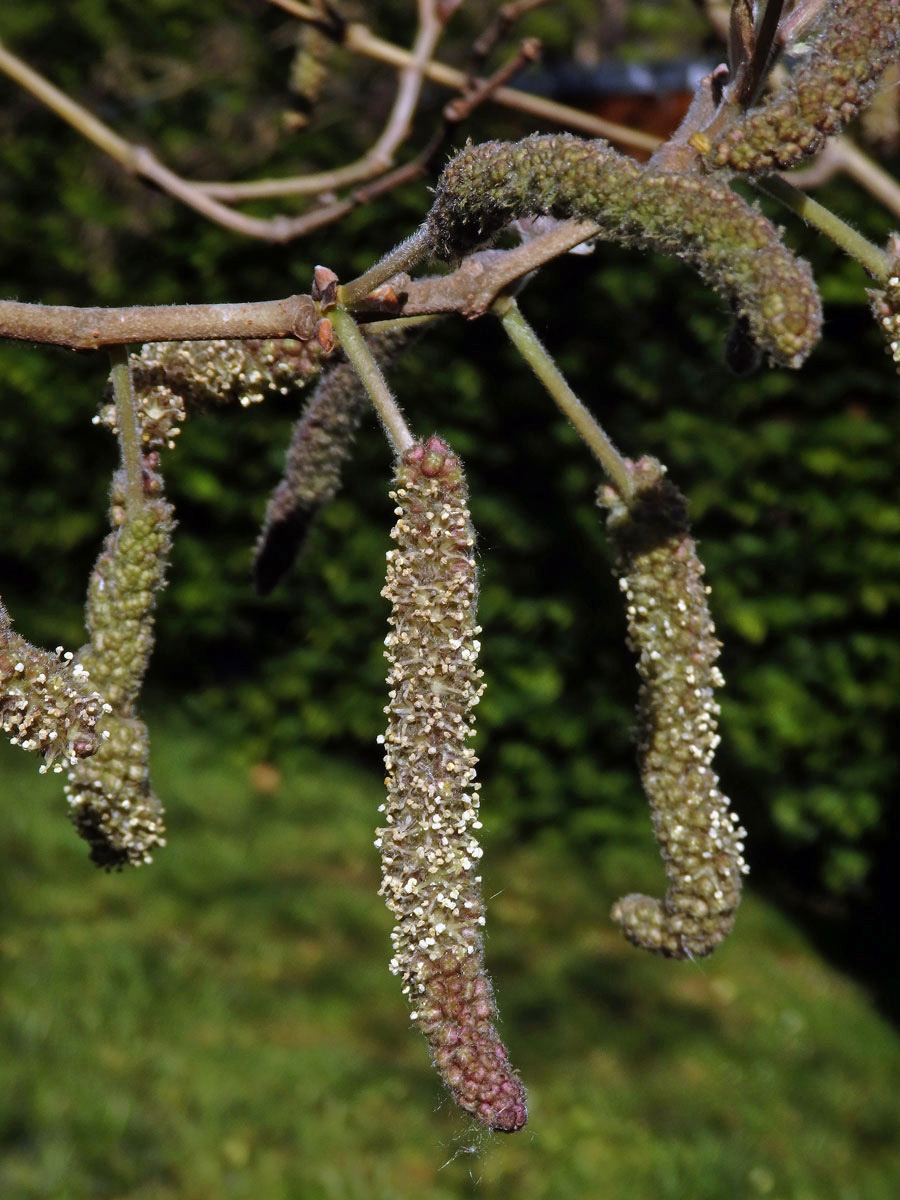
(430, 852)
(671, 630)
(321, 443)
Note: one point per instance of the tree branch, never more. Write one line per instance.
(95, 328)
(470, 291)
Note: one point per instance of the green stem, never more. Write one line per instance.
(527, 343)
(842, 234)
(129, 428)
(401, 258)
(369, 372)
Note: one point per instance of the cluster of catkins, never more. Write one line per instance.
(79, 711)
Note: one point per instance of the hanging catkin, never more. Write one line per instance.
(112, 803)
(670, 628)
(430, 852)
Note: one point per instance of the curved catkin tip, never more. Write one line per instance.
(730, 243)
(670, 629)
(429, 847)
(46, 702)
(111, 801)
(855, 42)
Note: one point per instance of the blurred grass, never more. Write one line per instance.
(223, 1024)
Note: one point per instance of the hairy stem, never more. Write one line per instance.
(129, 430)
(401, 258)
(529, 346)
(367, 368)
(838, 231)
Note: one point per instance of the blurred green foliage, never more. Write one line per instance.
(223, 1024)
(792, 477)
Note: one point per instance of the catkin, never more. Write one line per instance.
(168, 374)
(671, 630)
(856, 41)
(112, 803)
(728, 241)
(885, 304)
(321, 442)
(46, 703)
(429, 848)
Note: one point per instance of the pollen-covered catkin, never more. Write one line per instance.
(728, 241)
(46, 701)
(670, 628)
(112, 803)
(885, 304)
(855, 42)
(429, 847)
(166, 374)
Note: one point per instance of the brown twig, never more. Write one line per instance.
(380, 156)
(361, 40)
(208, 198)
(460, 109)
(470, 290)
(138, 160)
(500, 27)
(95, 328)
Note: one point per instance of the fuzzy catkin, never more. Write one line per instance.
(168, 374)
(855, 42)
(671, 630)
(112, 803)
(728, 241)
(429, 848)
(46, 702)
(321, 441)
(885, 303)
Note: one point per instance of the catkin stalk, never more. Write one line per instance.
(429, 847)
